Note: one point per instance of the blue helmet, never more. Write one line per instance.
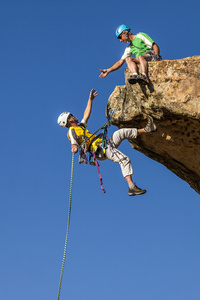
(120, 29)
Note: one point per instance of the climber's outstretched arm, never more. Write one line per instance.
(87, 112)
(114, 67)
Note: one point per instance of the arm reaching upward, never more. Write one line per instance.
(87, 112)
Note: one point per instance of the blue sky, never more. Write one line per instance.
(119, 247)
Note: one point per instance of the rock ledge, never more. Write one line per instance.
(172, 98)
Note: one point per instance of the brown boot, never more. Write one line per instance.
(151, 126)
(142, 79)
(133, 79)
(133, 191)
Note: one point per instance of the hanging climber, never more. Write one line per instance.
(142, 47)
(78, 130)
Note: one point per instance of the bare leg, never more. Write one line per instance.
(143, 61)
(129, 179)
(132, 64)
(133, 189)
(140, 131)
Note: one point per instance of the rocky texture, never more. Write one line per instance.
(173, 99)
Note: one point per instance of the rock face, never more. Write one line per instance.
(172, 98)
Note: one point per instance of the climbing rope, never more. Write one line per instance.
(104, 126)
(69, 215)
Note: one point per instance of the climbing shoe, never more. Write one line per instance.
(133, 79)
(151, 126)
(142, 79)
(133, 191)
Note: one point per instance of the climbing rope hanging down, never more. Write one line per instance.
(104, 127)
(68, 222)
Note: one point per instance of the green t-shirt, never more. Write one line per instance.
(139, 45)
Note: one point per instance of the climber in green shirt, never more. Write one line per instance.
(142, 47)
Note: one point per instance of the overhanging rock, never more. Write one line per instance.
(172, 98)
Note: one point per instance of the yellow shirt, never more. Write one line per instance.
(75, 135)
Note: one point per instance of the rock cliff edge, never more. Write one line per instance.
(172, 98)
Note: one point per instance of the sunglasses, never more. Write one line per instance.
(120, 36)
(70, 115)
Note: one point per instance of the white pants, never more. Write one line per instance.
(115, 155)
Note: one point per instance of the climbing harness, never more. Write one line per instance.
(99, 150)
(151, 53)
(68, 222)
(92, 158)
(153, 56)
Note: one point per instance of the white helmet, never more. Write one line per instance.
(62, 119)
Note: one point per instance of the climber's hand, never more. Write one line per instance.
(104, 73)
